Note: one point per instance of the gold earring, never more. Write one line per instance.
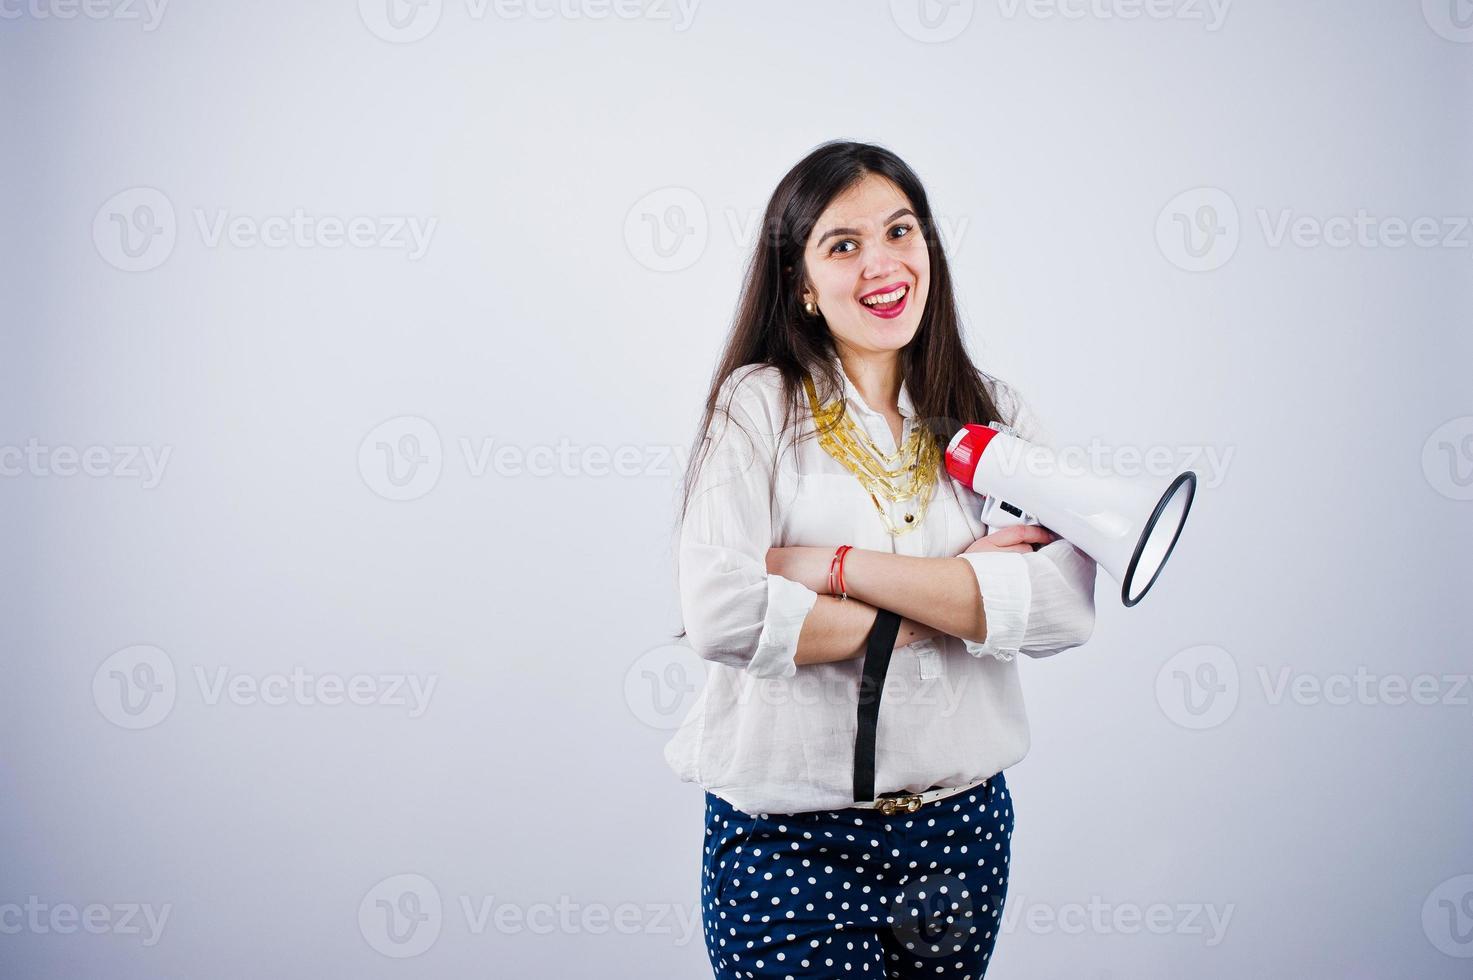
(810, 308)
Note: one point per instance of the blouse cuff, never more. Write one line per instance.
(788, 604)
(1002, 579)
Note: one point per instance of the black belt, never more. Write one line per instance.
(880, 645)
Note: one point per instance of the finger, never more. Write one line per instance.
(1022, 534)
(1005, 536)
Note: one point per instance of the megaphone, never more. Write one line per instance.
(1128, 524)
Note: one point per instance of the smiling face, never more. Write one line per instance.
(867, 246)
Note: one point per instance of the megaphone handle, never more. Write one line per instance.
(999, 513)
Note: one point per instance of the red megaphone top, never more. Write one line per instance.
(965, 450)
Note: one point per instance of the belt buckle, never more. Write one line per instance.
(890, 804)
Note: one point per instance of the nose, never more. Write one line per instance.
(880, 263)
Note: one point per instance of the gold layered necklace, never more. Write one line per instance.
(909, 473)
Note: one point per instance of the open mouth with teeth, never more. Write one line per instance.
(887, 301)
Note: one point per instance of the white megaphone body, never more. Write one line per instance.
(1127, 524)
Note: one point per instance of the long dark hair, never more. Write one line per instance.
(771, 328)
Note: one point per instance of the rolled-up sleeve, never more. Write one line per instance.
(736, 612)
(1039, 604)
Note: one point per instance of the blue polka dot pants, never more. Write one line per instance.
(855, 893)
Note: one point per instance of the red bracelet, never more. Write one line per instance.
(836, 571)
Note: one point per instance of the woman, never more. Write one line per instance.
(844, 376)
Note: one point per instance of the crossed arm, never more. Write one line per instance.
(933, 596)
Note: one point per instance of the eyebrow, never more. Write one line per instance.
(855, 231)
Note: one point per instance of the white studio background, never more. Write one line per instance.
(334, 641)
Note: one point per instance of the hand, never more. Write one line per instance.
(1021, 538)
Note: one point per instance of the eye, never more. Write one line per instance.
(904, 229)
(846, 241)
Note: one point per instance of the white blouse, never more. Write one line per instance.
(770, 736)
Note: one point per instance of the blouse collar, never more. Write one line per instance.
(904, 404)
